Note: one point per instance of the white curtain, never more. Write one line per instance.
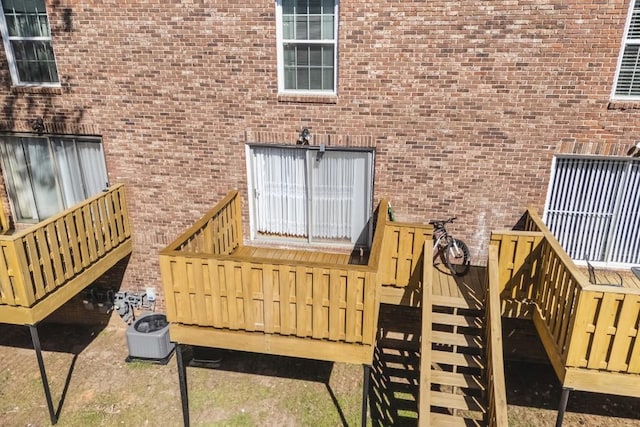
(332, 192)
(301, 192)
(69, 169)
(280, 191)
(19, 182)
(94, 169)
(43, 180)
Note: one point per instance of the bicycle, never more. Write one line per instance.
(453, 252)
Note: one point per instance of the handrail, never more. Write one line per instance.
(496, 389)
(236, 227)
(534, 218)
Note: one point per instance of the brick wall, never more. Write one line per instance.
(465, 102)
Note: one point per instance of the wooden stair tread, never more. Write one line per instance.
(456, 401)
(456, 379)
(444, 420)
(457, 359)
(457, 302)
(457, 320)
(460, 340)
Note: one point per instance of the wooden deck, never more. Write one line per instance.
(45, 265)
(315, 304)
(589, 332)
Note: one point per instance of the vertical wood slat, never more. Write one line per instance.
(33, 261)
(216, 294)
(424, 395)
(369, 309)
(602, 335)
(104, 225)
(301, 301)
(319, 322)
(6, 281)
(83, 247)
(285, 300)
(268, 296)
(89, 233)
(73, 242)
(47, 267)
(351, 314)
(62, 242)
(626, 332)
(580, 336)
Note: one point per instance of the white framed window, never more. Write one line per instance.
(593, 208)
(45, 175)
(311, 194)
(307, 32)
(627, 82)
(27, 41)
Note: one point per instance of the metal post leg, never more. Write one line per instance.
(564, 399)
(182, 377)
(365, 394)
(43, 374)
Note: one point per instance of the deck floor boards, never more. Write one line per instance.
(293, 255)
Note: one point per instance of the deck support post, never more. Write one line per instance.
(562, 407)
(182, 377)
(35, 339)
(365, 393)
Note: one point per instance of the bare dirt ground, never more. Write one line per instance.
(92, 385)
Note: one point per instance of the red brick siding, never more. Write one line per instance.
(465, 102)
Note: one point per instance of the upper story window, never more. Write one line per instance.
(307, 33)
(627, 85)
(45, 175)
(27, 40)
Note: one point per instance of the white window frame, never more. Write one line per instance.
(626, 41)
(597, 217)
(59, 175)
(13, 68)
(313, 152)
(280, 53)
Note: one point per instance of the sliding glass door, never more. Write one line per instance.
(305, 192)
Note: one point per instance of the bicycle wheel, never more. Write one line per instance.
(456, 256)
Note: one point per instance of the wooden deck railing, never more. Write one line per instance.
(494, 374)
(205, 284)
(37, 261)
(581, 325)
(218, 232)
(403, 253)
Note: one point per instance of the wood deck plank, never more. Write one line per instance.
(625, 332)
(602, 338)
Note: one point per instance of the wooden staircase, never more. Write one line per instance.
(453, 366)
(457, 364)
